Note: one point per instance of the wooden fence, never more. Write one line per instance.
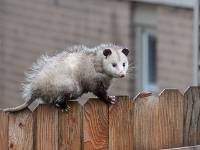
(146, 123)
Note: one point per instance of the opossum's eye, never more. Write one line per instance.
(114, 64)
(124, 64)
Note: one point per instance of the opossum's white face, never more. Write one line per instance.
(115, 63)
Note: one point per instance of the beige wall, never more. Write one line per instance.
(175, 47)
(173, 28)
(30, 28)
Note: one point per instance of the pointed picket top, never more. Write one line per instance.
(192, 88)
(170, 90)
(21, 129)
(143, 95)
(146, 96)
(191, 116)
(4, 130)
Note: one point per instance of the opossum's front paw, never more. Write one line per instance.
(112, 99)
(67, 108)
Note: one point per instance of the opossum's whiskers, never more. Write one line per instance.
(131, 70)
(131, 75)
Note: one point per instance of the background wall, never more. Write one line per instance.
(30, 28)
(175, 47)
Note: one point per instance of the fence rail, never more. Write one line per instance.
(171, 120)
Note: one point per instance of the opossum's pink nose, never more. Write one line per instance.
(121, 75)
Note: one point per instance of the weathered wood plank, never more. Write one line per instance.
(46, 128)
(170, 110)
(197, 147)
(21, 130)
(95, 125)
(145, 122)
(121, 124)
(4, 130)
(191, 130)
(71, 127)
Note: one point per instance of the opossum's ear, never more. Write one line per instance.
(125, 51)
(107, 52)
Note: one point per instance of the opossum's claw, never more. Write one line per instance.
(57, 106)
(112, 99)
(67, 109)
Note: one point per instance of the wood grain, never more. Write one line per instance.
(170, 121)
(46, 128)
(95, 125)
(71, 128)
(185, 148)
(121, 124)
(145, 122)
(21, 130)
(170, 110)
(4, 130)
(191, 130)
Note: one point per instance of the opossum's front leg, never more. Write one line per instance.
(101, 93)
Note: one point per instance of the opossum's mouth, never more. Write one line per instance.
(121, 75)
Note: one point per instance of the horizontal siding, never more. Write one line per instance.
(175, 48)
(70, 15)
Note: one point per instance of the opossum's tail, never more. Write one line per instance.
(18, 108)
(29, 95)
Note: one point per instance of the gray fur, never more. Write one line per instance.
(67, 75)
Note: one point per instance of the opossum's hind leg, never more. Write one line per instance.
(61, 102)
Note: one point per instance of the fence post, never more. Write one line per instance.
(4, 130)
(121, 124)
(95, 125)
(192, 116)
(71, 127)
(45, 128)
(21, 130)
(170, 112)
(145, 121)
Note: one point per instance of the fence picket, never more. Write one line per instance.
(170, 110)
(145, 121)
(191, 116)
(121, 127)
(21, 130)
(70, 127)
(46, 128)
(95, 125)
(4, 130)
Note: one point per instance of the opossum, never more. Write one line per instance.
(69, 74)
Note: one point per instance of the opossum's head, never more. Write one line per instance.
(115, 63)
